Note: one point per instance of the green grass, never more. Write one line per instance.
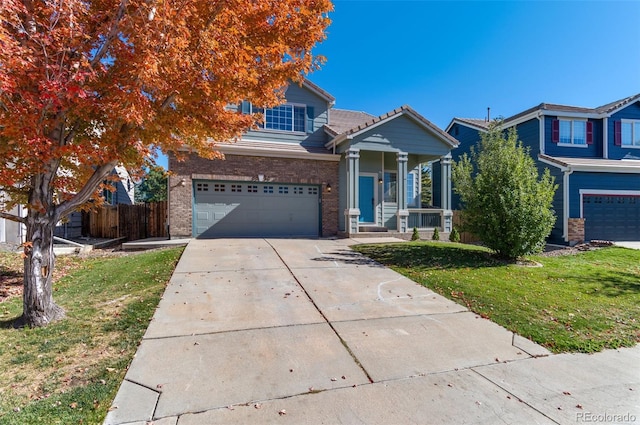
(574, 303)
(70, 371)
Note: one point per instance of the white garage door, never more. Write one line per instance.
(252, 209)
(611, 217)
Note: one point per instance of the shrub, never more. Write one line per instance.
(506, 202)
(454, 236)
(415, 236)
(436, 234)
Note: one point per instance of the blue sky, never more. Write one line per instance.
(454, 59)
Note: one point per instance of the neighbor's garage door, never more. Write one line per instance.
(611, 217)
(238, 209)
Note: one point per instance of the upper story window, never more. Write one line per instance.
(287, 117)
(628, 133)
(572, 132)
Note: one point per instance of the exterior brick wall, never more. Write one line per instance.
(247, 168)
(576, 230)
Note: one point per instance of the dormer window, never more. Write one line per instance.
(572, 132)
(288, 117)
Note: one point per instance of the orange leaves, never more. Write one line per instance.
(166, 73)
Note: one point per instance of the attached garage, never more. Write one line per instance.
(255, 209)
(612, 217)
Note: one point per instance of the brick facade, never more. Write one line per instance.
(576, 230)
(247, 168)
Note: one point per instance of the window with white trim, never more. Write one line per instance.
(390, 186)
(412, 189)
(630, 131)
(573, 132)
(288, 117)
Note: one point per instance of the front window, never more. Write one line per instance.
(412, 189)
(573, 132)
(389, 186)
(282, 118)
(285, 118)
(630, 133)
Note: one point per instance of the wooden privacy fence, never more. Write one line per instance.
(132, 222)
(465, 237)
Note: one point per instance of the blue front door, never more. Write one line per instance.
(366, 199)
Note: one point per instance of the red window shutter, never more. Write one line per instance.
(555, 131)
(617, 133)
(589, 132)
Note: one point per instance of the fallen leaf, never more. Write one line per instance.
(566, 393)
(579, 406)
(258, 406)
(282, 412)
(73, 405)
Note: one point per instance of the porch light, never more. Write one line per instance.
(328, 187)
(380, 181)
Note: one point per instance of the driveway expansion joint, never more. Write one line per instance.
(342, 341)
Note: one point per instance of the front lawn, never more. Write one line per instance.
(69, 372)
(584, 302)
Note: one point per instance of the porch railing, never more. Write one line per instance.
(425, 218)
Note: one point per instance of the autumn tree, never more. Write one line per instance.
(89, 84)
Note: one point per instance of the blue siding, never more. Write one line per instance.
(298, 95)
(591, 151)
(599, 181)
(557, 231)
(529, 135)
(631, 112)
(467, 137)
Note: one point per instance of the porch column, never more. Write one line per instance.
(401, 190)
(447, 214)
(352, 213)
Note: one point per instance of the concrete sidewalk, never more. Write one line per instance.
(309, 332)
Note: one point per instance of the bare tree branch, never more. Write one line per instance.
(13, 217)
(87, 190)
(113, 34)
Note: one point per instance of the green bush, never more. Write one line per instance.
(506, 202)
(454, 236)
(415, 236)
(436, 234)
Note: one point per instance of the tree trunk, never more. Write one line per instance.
(38, 306)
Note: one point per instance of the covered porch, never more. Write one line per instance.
(381, 175)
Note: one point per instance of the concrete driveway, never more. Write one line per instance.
(310, 332)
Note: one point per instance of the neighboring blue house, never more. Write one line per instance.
(312, 170)
(594, 154)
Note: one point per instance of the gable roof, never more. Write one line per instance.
(342, 120)
(319, 91)
(618, 104)
(476, 123)
(551, 108)
(404, 110)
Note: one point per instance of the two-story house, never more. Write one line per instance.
(311, 170)
(594, 154)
